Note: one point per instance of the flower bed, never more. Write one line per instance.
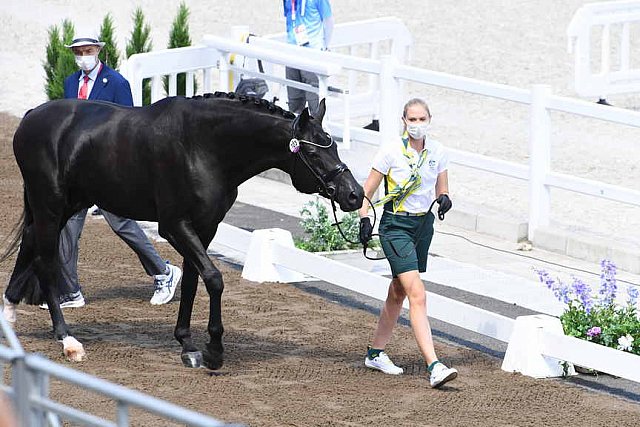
(598, 317)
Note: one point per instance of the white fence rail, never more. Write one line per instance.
(613, 76)
(29, 390)
(390, 75)
(276, 259)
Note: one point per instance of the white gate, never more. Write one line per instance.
(615, 75)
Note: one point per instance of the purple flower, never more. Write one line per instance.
(582, 292)
(608, 287)
(633, 296)
(593, 332)
(560, 290)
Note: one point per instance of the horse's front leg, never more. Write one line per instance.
(191, 355)
(213, 355)
(192, 247)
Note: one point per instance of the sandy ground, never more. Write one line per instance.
(519, 43)
(292, 358)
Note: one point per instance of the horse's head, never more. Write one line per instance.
(317, 167)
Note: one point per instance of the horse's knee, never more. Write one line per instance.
(213, 281)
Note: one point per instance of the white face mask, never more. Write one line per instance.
(87, 63)
(418, 130)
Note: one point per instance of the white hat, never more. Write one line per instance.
(85, 40)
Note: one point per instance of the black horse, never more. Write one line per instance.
(178, 162)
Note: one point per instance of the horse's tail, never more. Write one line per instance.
(23, 284)
(16, 232)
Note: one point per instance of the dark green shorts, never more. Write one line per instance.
(406, 240)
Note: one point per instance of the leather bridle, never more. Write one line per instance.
(327, 187)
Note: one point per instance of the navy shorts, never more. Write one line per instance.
(405, 241)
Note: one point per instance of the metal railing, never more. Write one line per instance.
(29, 390)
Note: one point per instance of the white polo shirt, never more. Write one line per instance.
(391, 162)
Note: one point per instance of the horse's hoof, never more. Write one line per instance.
(73, 350)
(192, 359)
(9, 310)
(212, 362)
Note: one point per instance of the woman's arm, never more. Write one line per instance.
(442, 184)
(370, 186)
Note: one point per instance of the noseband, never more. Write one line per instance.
(327, 187)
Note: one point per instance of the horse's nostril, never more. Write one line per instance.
(354, 197)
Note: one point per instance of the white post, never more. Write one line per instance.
(224, 74)
(389, 102)
(346, 133)
(539, 159)
(238, 34)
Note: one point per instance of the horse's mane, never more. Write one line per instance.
(248, 101)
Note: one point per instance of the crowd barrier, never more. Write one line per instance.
(29, 390)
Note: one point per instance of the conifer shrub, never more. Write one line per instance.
(109, 54)
(60, 61)
(179, 37)
(140, 42)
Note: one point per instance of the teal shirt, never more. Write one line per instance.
(310, 13)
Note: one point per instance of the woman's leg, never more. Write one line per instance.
(413, 287)
(389, 315)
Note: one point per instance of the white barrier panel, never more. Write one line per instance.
(525, 352)
(363, 282)
(605, 16)
(592, 356)
(258, 266)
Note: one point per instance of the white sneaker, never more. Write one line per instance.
(165, 285)
(440, 375)
(383, 363)
(72, 300)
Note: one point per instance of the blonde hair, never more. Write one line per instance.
(415, 101)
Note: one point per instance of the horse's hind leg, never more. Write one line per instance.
(22, 273)
(46, 264)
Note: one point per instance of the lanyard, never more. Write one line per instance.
(293, 9)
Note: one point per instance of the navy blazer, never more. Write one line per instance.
(109, 86)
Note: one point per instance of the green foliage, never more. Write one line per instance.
(109, 53)
(60, 61)
(179, 37)
(140, 42)
(322, 234)
(598, 318)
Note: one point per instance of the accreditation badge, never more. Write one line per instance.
(300, 33)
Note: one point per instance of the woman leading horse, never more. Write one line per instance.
(178, 162)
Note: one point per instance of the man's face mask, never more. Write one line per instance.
(87, 63)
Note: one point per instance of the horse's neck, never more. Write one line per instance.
(265, 152)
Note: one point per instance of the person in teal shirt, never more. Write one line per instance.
(309, 24)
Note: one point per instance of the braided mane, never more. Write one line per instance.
(249, 100)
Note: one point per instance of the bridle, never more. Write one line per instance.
(327, 187)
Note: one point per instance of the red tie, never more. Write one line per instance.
(84, 89)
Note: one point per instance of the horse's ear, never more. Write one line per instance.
(322, 108)
(303, 119)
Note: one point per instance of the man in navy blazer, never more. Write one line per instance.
(96, 81)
